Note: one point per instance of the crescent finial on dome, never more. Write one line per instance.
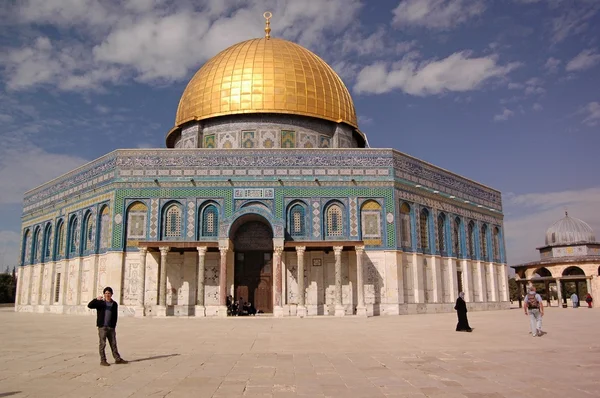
(268, 15)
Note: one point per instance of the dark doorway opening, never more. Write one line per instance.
(254, 279)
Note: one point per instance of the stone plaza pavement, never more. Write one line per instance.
(399, 356)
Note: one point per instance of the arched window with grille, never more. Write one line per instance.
(25, 250)
(48, 242)
(104, 228)
(424, 229)
(73, 237)
(471, 240)
(59, 239)
(297, 223)
(210, 221)
(88, 230)
(334, 221)
(441, 233)
(405, 225)
(36, 251)
(456, 237)
(172, 222)
(483, 248)
(496, 244)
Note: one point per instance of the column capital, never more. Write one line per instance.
(164, 250)
(143, 250)
(300, 249)
(359, 249)
(338, 250)
(278, 250)
(201, 250)
(223, 250)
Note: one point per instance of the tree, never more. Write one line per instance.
(513, 289)
(8, 287)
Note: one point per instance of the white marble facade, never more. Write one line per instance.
(394, 283)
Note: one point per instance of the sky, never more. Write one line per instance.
(504, 92)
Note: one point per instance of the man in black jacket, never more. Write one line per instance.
(106, 320)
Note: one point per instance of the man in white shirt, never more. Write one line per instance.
(535, 309)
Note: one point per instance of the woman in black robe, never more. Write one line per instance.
(461, 311)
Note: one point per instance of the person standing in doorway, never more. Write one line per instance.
(588, 300)
(575, 300)
(534, 307)
(461, 312)
(107, 311)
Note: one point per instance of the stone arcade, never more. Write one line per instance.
(268, 191)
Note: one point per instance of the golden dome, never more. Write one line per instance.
(266, 76)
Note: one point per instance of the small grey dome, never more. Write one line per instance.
(569, 230)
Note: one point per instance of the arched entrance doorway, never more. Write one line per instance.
(252, 238)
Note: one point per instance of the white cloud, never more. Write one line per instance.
(436, 14)
(537, 107)
(458, 72)
(592, 112)
(157, 41)
(574, 20)
(501, 117)
(527, 216)
(534, 86)
(551, 65)
(584, 60)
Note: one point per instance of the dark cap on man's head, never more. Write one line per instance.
(107, 289)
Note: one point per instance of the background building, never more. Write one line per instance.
(267, 191)
(569, 260)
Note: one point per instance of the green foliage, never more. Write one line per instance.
(513, 289)
(8, 288)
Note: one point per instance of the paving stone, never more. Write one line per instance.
(397, 356)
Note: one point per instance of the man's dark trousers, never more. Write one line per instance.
(110, 334)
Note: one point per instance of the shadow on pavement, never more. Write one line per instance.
(8, 394)
(147, 359)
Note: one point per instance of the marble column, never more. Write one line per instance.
(436, 282)
(301, 311)
(277, 280)
(559, 292)
(200, 308)
(588, 282)
(339, 308)
(480, 282)
(467, 280)
(162, 287)
(223, 281)
(18, 300)
(143, 251)
(31, 269)
(417, 274)
(452, 281)
(361, 308)
(504, 283)
(40, 287)
(493, 282)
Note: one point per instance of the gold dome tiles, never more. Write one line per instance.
(266, 76)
